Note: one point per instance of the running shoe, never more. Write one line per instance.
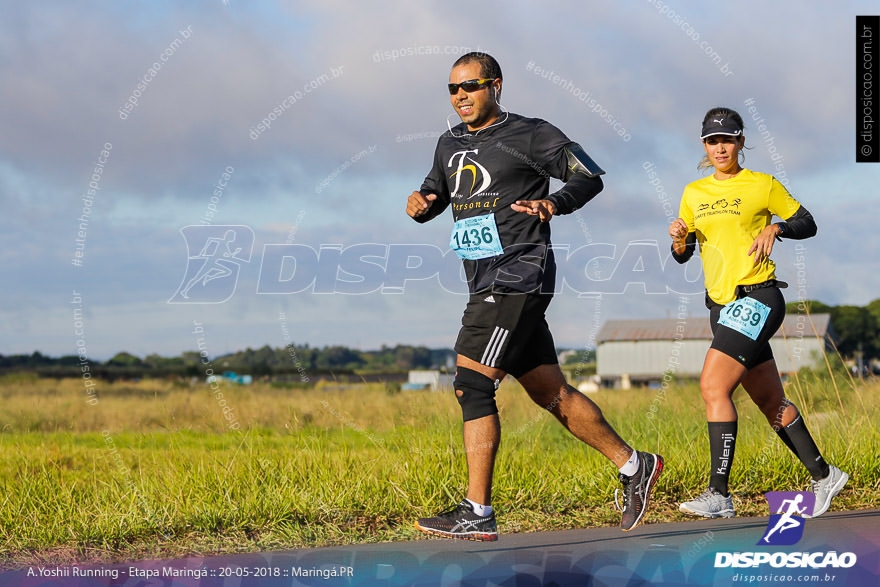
(825, 489)
(637, 490)
(460, 523)
(709, 504)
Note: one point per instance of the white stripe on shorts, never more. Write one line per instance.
(493, 349)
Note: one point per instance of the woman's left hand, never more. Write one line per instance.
(763, 245)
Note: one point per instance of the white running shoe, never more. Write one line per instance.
(825, 489)
(709, 504)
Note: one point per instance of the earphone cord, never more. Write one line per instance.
(504, 119)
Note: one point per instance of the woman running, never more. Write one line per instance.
(729, 214)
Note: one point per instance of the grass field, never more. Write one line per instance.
(158, 469)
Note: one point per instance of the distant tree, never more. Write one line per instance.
(307, 357)
(805, 306)
(382, 359)
(442, 357)
(125, 359)
(874, 309)
(155, 361)
(38, 358)
(264, 355)
(855, 326)
(338, 357)
(405, 357)
(190, 358)
(35, 359)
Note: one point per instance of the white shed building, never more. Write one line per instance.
(642, 351)
(428, 379)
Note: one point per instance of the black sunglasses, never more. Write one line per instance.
(471, 85)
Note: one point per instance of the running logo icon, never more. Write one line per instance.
(214, 258)
(786, 526)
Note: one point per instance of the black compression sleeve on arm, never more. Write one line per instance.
(576, 192)
(799, 226)
(435, 183)
(690, 243)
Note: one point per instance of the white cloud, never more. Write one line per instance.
(67, 70)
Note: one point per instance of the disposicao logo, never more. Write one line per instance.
(785, 528)
(214, 257)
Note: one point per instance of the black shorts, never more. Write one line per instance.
(507, 331)
(732, 343)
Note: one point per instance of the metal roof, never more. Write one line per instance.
(693, 328)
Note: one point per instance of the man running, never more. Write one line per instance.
(494, 170)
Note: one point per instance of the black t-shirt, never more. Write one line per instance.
(484, 172)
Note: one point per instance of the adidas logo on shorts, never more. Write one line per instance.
(489, 299)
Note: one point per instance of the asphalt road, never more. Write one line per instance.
(680, 553)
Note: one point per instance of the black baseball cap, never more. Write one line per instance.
(718, 125)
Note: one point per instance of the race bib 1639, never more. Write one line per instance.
(746, 315)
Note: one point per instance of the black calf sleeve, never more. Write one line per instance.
(798, 439)
(722, 442)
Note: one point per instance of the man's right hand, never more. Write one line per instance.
(417, 204)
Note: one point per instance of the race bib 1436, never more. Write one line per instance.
(476, 238)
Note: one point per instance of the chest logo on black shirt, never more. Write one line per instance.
(470, 169)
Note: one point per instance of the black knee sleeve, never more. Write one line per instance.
(477, 393)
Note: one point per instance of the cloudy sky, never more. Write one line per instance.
(119, 122)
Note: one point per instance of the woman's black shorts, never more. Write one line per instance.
(732, 341)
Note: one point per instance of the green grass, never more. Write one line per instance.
(154, 470)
